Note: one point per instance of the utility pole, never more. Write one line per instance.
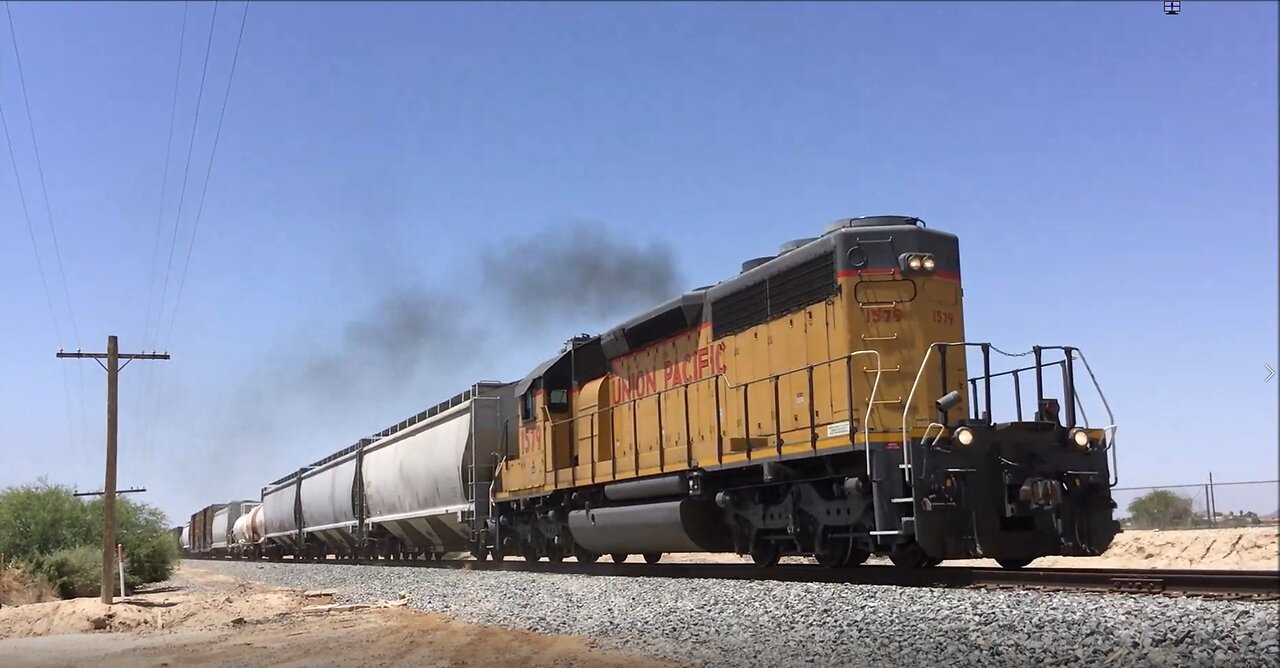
(113, 368)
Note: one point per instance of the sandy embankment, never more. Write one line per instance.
(200, 618)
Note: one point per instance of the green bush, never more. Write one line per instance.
(60, 537)
(74, 572)
(41, 519)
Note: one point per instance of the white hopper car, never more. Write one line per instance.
(420, 487)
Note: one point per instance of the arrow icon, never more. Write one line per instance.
(1271, 373)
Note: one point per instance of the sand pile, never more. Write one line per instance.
(19, 588)
(1249, 548)
(194, 600)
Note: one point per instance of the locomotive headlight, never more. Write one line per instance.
(928, 263)
(1080, 437)
(964, 436)
(914, 262)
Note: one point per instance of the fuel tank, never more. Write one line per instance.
(686, 525)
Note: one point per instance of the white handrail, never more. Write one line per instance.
(1111, 441)
(906, 407)
(866, 417)
(941, 428)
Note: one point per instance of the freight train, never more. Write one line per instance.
(819, 403)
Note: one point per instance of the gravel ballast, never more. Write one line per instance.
(739, 623)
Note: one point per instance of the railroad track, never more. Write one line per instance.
(1242, 585)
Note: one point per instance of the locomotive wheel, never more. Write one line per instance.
(555, 557)
(856, 557)
(530, 552)
(1013, 564)
(507, 546)
(479, 553)
(584, 556)
(909, 555)
(619, 558)
(652, 557)
(766, 553)
(831, 551)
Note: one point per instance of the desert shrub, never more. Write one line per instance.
(41, 519)
(74, 572)
(60, 537)
(1162, 509)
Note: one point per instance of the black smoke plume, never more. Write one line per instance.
(387, 357)
(578, 273)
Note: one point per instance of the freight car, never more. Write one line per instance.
(209, 532)
(818, 404)
(420, 487)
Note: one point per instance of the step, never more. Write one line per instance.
(902, 499)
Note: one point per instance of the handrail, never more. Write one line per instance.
(728, 384)
(906, 406)
(1109, 431)
(1111, 441)
(866, 418)
(1020, 370)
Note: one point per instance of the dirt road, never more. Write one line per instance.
(202, 619)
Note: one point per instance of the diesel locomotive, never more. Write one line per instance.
(819, 403)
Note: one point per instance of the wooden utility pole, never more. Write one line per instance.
(113, 368)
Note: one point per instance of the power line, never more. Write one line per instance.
(182, 280)
(186, 173)
(44, 281)
(48, 206)
(40, 268)
(149, 385)
(164, 181)
(31, 230)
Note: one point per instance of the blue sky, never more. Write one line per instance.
(1111, 173)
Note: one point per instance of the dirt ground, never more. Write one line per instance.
(1252, 548)
(203, 619)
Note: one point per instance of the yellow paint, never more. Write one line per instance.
(616, 419)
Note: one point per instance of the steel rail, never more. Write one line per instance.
(1252, 585)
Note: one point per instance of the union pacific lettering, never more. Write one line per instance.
(702, 363)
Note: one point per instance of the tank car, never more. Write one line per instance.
(221, 531)
(819, 403)
(244, 539)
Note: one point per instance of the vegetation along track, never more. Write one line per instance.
(1244, 585)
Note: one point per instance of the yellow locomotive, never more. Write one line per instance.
(818, 403)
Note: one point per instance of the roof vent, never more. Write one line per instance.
(872, 221)
(755, 262)
(794, 244)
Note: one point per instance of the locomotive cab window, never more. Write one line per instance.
(558, 401)
(526, 406)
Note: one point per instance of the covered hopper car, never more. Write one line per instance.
(824, 402)
(420, 487)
